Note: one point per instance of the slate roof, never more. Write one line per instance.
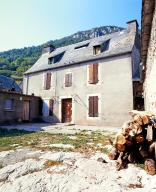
(8, 84)
(120, 43)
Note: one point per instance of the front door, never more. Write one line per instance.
(66, 110)
(26, 111)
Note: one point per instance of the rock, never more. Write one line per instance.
(60, 145)
(11, 172)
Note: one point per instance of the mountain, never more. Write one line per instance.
(16, 61)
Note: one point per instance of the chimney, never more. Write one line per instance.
(48, 48)
(132, 26)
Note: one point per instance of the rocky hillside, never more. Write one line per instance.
(16, 61)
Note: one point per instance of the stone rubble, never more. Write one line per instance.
(77, 173)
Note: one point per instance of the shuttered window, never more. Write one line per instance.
(68, 80)
(93, 73)
(93, 106)
(47, 81)
(51, 107)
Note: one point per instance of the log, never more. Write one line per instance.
(120, 147)
(120, 139)
(149, 135)
(152, 149)
(139, 138)
(149, 166)
(143, 152)
(136, 128)
(113, 154)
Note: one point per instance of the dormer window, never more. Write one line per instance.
(97, 49)
(82, 46)
(56, 58)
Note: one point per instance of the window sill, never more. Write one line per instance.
(8, 110)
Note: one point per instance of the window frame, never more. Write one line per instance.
(9, 108)
(69, 85)
(99, 106)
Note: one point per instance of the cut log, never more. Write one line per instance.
(139, 138)
(131, 158)
(120, 148)
(143, 152)
(113, 154)
(152, 149)
(149, 166)
(136, 128)
(120, 139)
(149, 135)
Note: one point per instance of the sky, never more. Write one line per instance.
(26, 23)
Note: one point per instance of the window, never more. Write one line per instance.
(93, 74)
(51, 106)
(68, 80)
(97, 49)
(93, 106)
(47, 81)
(82, 46)
(101, 48)
(8, 105)
(56, 58)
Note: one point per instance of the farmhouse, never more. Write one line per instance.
(94, 82)
(148, 53)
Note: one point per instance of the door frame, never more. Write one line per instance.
(73, 107)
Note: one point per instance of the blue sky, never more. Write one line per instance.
(33, 22)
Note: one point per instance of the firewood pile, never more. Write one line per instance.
(136, 142)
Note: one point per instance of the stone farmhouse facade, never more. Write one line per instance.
(94, 82)
(148, 53)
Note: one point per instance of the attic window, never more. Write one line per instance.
(101, 48)
(97, 49)
(56, 58)
(82, 46)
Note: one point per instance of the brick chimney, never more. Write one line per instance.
(132, 26)
(48, 48)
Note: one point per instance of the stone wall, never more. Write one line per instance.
(150, 81)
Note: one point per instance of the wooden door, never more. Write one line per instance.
(26, 110)
(66, 110)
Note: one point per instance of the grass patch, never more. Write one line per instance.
(50, 163)
(41, 140)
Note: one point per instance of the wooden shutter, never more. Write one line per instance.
(48, 80)
(91, 77)
(91, 107)
(96, 106)
(68, 80)
(95, 73)
(51, 107)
